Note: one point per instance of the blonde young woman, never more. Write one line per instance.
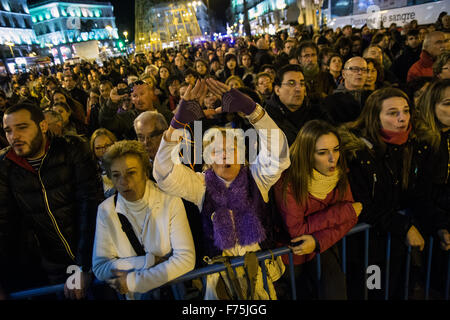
(231, 196)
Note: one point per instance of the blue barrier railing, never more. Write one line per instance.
(203, 272)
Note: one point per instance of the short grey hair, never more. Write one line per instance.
(427, 40)
(122, 148)
(149, 116)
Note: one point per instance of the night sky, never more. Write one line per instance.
(124, 13)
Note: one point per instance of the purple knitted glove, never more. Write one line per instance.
(188, 111)
(236, 101)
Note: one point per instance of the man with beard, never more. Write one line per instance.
(49, 193)
(319, 84)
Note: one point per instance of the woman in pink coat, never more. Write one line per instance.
(316, 204)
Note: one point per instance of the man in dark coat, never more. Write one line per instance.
(49, 194)
(70, 84)
(410, 54)
(347, 101)
(288, 105)
(319, 83)
(262, 56)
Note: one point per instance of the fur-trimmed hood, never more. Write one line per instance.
(351, 143)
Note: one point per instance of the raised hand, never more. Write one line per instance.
(232, 100)
(189, 108)
(196, 92)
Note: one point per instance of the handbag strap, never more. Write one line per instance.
(128, 229)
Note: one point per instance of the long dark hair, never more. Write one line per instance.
(428, 125)
(298, 175)
(368, 124)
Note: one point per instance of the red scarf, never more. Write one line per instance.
(395, 137)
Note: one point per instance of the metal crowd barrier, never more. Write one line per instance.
(263, 255)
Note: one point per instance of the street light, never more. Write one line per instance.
(125, 33)
(109, 28)
(10, 45)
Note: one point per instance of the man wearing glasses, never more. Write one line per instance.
(347, 101)
(288, 105)
(149, 127)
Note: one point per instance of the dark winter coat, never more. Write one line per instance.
(344, 106)
(58, 203)
(402, 64)
(441, 184)
(375, 180)
(290, 122)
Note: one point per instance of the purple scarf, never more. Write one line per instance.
(240, 198)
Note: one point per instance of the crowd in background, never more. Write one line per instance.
(364, 112)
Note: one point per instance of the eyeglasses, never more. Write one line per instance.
(357, 69)
(103, 148)
(312, 55)
(138, 83)
(293, 84)
(152, 135)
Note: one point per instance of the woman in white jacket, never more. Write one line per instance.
(230, 195)
(158, 220)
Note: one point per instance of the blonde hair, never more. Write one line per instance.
(101, 132)
(236, 78)
(210, 137)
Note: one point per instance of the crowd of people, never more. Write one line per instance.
(100, 168)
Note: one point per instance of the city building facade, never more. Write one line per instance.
(17, 37)
(60, 25)
(169, 24)
(264, 16)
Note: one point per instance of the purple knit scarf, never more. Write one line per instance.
(237, 198)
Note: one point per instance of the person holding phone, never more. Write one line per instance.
(317, 208)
